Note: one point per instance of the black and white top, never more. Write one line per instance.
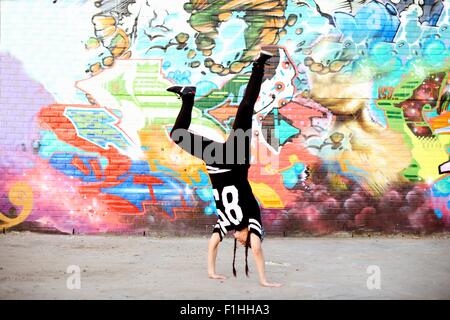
(236, 205)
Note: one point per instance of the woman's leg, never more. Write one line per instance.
(243, 119)
(239, 140)
(183, 120)
(193, 143)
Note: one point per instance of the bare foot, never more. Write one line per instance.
(270, 284)
(217, 277)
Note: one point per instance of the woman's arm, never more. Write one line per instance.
(213, 245)
(255, 242)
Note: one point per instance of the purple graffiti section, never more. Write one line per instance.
(22, 99)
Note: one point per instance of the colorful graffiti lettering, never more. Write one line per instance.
(350, 131)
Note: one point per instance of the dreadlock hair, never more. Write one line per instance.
(247, 244)
(234, 257)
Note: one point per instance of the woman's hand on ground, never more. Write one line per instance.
(217, 276)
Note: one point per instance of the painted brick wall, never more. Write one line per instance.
(354, 107)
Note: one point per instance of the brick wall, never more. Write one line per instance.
(354, 107)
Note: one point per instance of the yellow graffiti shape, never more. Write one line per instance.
(376, 155)
(20, 195)
(375, 162)
(429, 152)
(266, 195)
(112, 37)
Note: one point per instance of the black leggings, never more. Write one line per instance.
(243, 121)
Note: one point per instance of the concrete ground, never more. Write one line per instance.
(34, 266)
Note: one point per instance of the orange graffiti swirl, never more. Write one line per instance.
(20, 194)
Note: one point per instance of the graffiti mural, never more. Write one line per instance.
(350, 132)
